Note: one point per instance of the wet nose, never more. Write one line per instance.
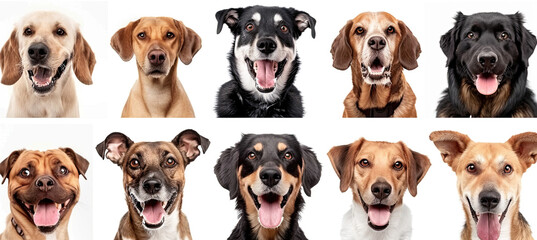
(156, 57)
(377, 43)
(152, 186)
(489, 199)
(266, 45)
(270, 177)
(381, 190)
(487, 59)
(45, 183)
(38, 52)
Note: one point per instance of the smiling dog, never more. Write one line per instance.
(265, 173)
(488, 182)
(263, 62)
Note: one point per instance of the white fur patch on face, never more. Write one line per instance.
(374, 29)
(257, 18)
(277, 19)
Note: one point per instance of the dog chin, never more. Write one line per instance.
(270, 207)
(375, 73)
(46, 214)
(42, 78)
(153, 211)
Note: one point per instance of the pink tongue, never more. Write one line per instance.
(379, 215)
(376, 68)
(46, 214)
(270, 214)
(488, 227)
(153, 212)
(486, 84)
(265, 73)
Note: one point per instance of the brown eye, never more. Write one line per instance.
(508, 169)
(504, 36)
(170, 35)
(251, 156)
(25, 172)
(284, 29)
(390, 29)
(471, 168)
(63, 171)
(141, 35)
(60, 32)
(360, 30)
(364, 163)
(28, 32)
(398, 165)
(470, 35)
(134, 163)
(250, 27)
(170, 162)
(288, 156)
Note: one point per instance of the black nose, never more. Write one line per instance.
(377, 43)
(487, 59)
(38, 52)
(152, 186)
(156, 57)
(45, 183)
(266, 45)
(489, 199)
(270, 176)
(381, 190)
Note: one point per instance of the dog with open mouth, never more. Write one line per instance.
(263, 62)
(38, 58)
(265, 173)
(489, 182)
(487, 60)
(378, 174)
(153, 179)
(43, 189)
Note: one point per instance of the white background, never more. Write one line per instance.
(437, 211)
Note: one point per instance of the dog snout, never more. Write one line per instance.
(266, 45)
(152, 186)
(381, 190)
(38, 52)
(156, 57)
(377, 43)
(270, 176)
(45, 183)
(489, 199)
(487, 59)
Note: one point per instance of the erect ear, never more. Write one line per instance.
(451, 145)
(342, 159)
(226, 171)
(230, 17)
(122, 41)
(188, 141)
(312, 170)
(341, 48)
(409, 48)
(526, 41)
(7, 164)
(302, 21)
(450, 40)
(525, 146)
(10, 60)
(80, 162)
(114, 147)
(418, 166)
(191, 43)
(83, 60)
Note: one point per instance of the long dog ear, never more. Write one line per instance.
(526, 41)
(418, 166)
(409, 48)
(7, 164)
(342, 159)
(188, 141)
(226, 171)
(191, 43)
(341, 48)
(525, 146)
(230, 17)
(121, 42)
(80, 162)
(10, 60)
(114, 147)
(83, 60)
(312, 169)
(451, 145)
(450, 40)
(302, 21)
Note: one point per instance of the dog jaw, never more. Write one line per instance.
(153, 211)
(42, 79)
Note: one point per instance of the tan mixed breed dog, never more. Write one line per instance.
(488, 182)
(377, 47)
(43, 189)
(38, 58)
(157, 43)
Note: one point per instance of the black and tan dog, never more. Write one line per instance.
(265, 173)
(153, 178)
(43, 188)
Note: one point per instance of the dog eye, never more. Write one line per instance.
(250, 27)
(360, 30)
(364, 163)
(28, 32)
(251, 156)
(470, 35)
(504, 36)
(288, 156)
(25, 172)
(141, 35)
(63, 171)
(170, 35)
(284, 29)
(508, 169)
(398, 165)
(60, 32)
(471, 168)
(390, 29)
(134, 163)
(170, 162)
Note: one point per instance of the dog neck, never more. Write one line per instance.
(158, 94)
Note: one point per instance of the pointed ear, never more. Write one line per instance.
(341, 48)
(83, 60)
(230, 17)
(10, 60)
(80, 162)
(114, 147)
(226, 171)
(188, 141)
(312, 170)
(7, 164)
(409, 48)
(122, 41)
(342, 159)
(451, 145)
(302, 21)
(526, 40)
(191, 43)
(525, 146)
(417, 168)
(450, 40)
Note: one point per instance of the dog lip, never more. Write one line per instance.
(375, 75)
(47, 88)
(476, 216)
(29, 208)
(271, 196)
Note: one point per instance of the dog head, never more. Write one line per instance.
(378, 174)
(489, 47)
(157, 42)
(488, 176)
(375, 43)
(264, 49)
(43, 47)
(266, 172)
(153, 172)
(43, 186)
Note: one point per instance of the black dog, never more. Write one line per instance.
(263, 62)
(264, 173)
(487, 60)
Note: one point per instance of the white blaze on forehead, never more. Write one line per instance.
(479, 159)
(277, 19)
(500, 159)
(256, 17)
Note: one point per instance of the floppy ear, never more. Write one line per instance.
(114, 147)
(191, 43)
(188, 141)
(10, 60)
(230, 17)
(302, 21)
(122, 41)
(450, 40)
(409, 48)
(341, 48)
(342, 159)
(451, 145)
(226, 171)
(80, 162)
(83, 60)
(418, 166)
(5, 166)
(312, 170)
(526, 40)
(525, 146)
